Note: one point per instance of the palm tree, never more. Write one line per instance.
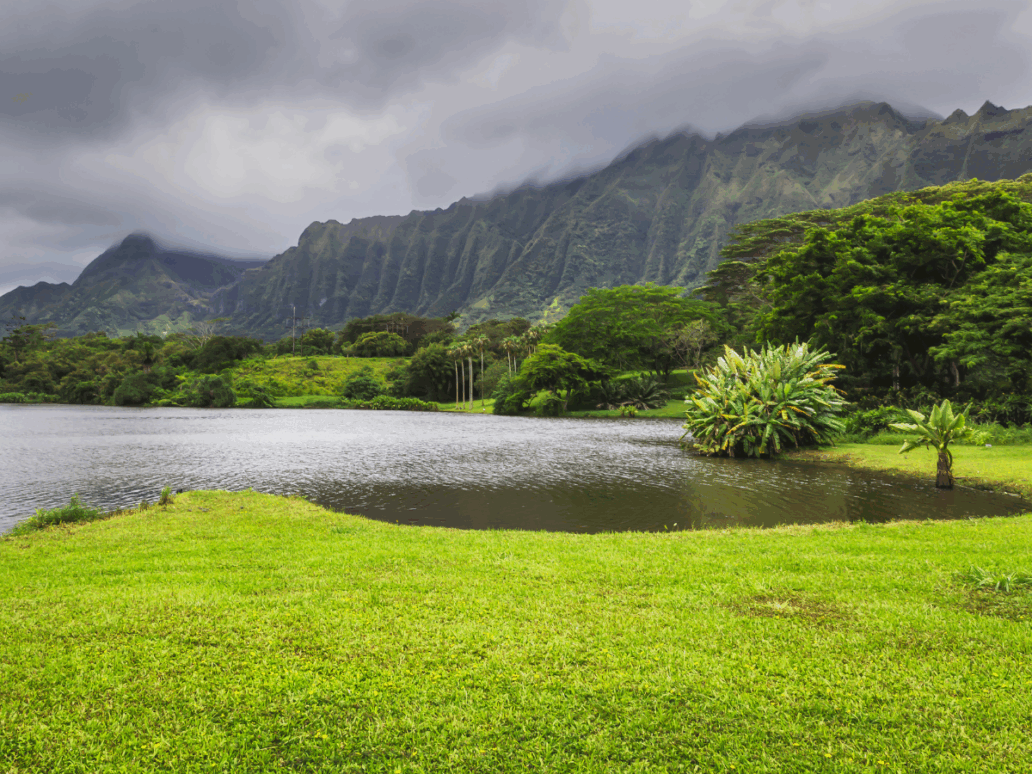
(511, 345)
(454, 355)
(480, 342)
(459, 353)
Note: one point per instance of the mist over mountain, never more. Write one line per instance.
(659, 213)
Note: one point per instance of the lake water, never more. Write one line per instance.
(455, 470)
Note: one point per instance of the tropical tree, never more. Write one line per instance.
(480, 342)
(940, 429)
(511, 345)
(754, 403)
(458, 353)
(554, 369)
(628, 327)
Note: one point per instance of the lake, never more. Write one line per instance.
(453, 470)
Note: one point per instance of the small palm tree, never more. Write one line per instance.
(941, 428)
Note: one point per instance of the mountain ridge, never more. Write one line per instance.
(659, 213)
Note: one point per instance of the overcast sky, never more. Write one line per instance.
(230, 126)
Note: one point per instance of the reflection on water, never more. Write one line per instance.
(466, 471)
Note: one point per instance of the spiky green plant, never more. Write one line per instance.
(940, 429)
(754, 404)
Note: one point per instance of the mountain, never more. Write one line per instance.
(136, 285)
(659, 213)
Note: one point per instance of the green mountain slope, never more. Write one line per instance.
(136, 285)
(659, 214)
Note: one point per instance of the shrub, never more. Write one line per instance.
(208, 392)
(645, 392)
(753, 404)
(13, 397)
(387, 403)
(362, 386)
(510, 396)
(136, 389)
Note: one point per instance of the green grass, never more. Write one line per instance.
(1004, 468)
(253, 633)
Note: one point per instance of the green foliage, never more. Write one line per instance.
(208, 392)
(935, 295)
(13, 397)
(630, 326)
(941, 428)
(317, 341)
(488, 381)
(221, 352)
(554, 369)
(388, 403)
(362, 386)
(136, 389)
(166, 496)
(755, 404)
(979, 579)
(75, 511)
(644, 392)
(510, 397)
(431, 373)
(379, 344)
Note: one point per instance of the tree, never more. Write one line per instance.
(511, 345)
(317, 341)
(480, 342)
(362, 385)
(628, 326)
(431, 372)
(689, 341)
(753, 404)
(204, 330)
(554, 369)
(380, 344)
(941, 428)
(208, 392)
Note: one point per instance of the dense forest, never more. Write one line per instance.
(920, 296)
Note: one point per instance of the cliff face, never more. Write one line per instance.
(661, 214)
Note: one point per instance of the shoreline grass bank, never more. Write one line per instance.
(250, 632)
(999, 468)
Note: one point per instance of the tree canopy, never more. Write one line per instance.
(630, 326)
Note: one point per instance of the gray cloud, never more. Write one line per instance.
(230, 126)
(91, 76)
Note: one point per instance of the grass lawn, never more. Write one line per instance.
(253, 633)
(1005, 468)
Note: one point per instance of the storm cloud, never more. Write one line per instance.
(230, 126)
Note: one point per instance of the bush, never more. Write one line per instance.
(362, 386)
(510, 396)
(13, 397)
(136, 389)
(260, 398)
(208, 392)
(492, 375)
(753, 404)
(645, 392)
(387, 403)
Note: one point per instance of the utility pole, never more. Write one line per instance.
(297, 323)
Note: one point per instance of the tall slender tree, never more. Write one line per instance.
(480, 342)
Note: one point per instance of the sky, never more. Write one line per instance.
(229, 127)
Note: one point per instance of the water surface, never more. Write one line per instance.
(455, 470)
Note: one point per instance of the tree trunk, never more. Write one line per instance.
(456, 364)
(944, 473)
(481, 378)
(463, 365)
(470, 382)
